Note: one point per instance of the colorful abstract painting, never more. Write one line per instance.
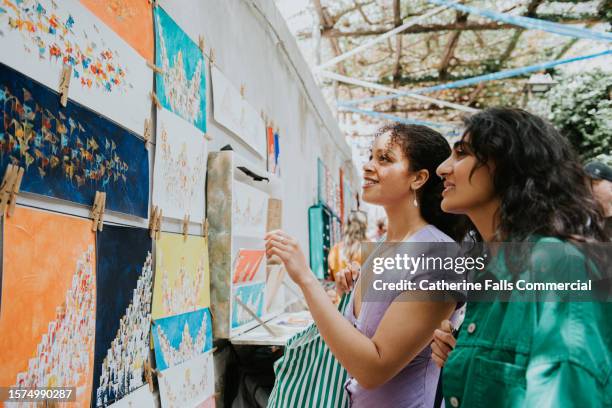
(39, 37)
(251, 295)
(181, 87)
(179, 338)
(247, 264)
(131, 19)
(250, 209)
(182, 279)
(48, 306)
(69, 153)
(180, 168)
(123, 312)
(231, 110)
(191, 384)
(142, 397)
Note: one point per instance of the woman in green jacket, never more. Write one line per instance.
(518, 180)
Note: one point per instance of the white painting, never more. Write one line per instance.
(231, 110)
(250, 211)
(39, 37)
(191, 384)
(180, 168)
(141, 398)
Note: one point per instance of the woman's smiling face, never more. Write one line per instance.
(468, 185)
(385, 176)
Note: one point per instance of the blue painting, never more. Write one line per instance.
(123, 312)
(253, 297)
(181, 87)
(180, 338)
(69, 153)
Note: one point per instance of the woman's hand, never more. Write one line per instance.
(443, 343)
(288, 250)
(345, 279)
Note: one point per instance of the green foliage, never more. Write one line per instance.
(581, 108)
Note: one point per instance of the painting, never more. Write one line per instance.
(131, 19)
(48, 302)
(180, 168)
(182, 279)
(179, 338)
(69, 153)
(191, 384)
(247, 264)
(39, 37)
(252, 295)
(123, 312)
(250, 208)
(231, 110)
(142, 397)
(181, 87)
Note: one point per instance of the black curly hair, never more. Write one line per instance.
(537, 175)
(424, 148)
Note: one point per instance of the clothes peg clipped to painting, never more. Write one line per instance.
(155, 99)
(153, 3)
(97, 211)
(149, 372)
(208, 137)
(185, 226)
(155, 222)
(9, 188)
(211, 56)
(155, 68)
(64, 86)
(205, 228)
(148, 132)
(202, 43)
(242, 90)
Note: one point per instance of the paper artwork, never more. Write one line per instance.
(247, 264)
(231, 110)
(182, 337)
(123, 313)
(48, 302)
(191, 384)
(39, 37)
(69, 153)
(182, 279)
(180, 168)
(251, 295)
(131, 19)
(141, 398)
(249, 212)
(181, 88)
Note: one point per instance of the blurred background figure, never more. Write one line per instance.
(348, 250)
(381, 230)
(601, 184)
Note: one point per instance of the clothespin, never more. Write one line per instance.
(208, 137)
(97, 211)
(148, 131)
(205, 228)
(185, 226)
(211, 56)
(155, 223)
(153, 3)
(65, 84)
(10, 187)
(155, 99)
(242, 89)
(155, 68)
(202, 43)
(149, 372)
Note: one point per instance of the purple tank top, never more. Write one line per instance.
(415, 385)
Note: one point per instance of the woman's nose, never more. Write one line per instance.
(444, 168)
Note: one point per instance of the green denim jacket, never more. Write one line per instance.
(534, 354)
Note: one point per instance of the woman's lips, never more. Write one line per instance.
(448, 187)
(367, 183)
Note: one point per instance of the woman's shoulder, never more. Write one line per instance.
(430, 233)
(552, 252)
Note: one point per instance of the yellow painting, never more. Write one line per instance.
(182, 277)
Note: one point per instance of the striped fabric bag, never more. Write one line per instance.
(308, 375)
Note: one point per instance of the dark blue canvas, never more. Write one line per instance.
(123, 311)
(72, 152)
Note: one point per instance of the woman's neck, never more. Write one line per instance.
(403, 221)
(486, 219)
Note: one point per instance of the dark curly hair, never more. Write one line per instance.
(427, 149)
(537, 175)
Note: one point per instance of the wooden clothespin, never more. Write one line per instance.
(65, 84)
(211, 56)
(155, 68)
(205, 228)
(9, 188)
(242, 90)
(153, 3)
(149, 372)
(202, 43)
(155, 223)
(155, 100)
(208, 137)
(97, 212)
(185, 226)
(148, 132)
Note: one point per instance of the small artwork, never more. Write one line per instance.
(179, 338)
(123, 312)
(252, 296)
(48, 302)
(39, 37)
(182, 279)
(250, 209)
(191, 384)
(69, 153)
(180, 168)
(131, 19)
(248, 262)
(181, 88)
(142, 397)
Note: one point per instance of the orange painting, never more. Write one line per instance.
(47, 309)
(131, 19)
(247, 264)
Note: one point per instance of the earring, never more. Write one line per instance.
(415, 202)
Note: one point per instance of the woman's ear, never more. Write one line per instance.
(419, 179)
